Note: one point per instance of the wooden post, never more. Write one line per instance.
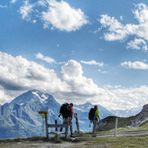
(44, 114)
(77, 122)
(116, 126)
(56, 128)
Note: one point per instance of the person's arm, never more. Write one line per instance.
(97, 114)
(71, 112)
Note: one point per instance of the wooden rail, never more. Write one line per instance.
(56, 125)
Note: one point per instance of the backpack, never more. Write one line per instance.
(65, 110)
(91, 114)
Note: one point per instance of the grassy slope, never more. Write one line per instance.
(120, 142)
(109, 123)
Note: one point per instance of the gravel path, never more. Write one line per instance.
(29, 144)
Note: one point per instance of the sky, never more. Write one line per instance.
(76, 50)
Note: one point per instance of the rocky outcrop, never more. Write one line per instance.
(141, 118)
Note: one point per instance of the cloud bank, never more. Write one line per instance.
(18, 74)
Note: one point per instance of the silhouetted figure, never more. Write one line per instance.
(66, 111)
(95, 119)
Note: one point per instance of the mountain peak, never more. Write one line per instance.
(31, 96)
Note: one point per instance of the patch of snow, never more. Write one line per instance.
(42, 98)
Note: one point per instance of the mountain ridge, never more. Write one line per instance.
(20, 117)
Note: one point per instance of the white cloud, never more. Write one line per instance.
(25, 10)
(141, 13)
(116, 30)
(80, 85)
(93, 62)
(13, 1)
(123, 98)
(56, 14)
(45, 58)
(63, 17)
(138, 44)
(119, 31)
(42, 2)
(137, 65)
(18, 74)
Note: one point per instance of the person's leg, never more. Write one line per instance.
(66, 128)
(71, 130)
(61, 129)
(94, 127)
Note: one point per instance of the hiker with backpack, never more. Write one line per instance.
(66, 111)
(94, 118)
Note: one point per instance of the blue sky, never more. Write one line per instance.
(105, 43)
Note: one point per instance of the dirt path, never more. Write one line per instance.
(127, 133)
(86, 144)
(36, 144)
(28, 144)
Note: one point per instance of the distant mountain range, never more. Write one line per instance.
(133, 121)
(20, 118)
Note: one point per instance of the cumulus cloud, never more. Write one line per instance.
(18, 74)
(93, 62)
(137, 65)
(141, 13)
(118, 31)
(123, 98)
(45, 58)
(26, 9)
(63, 17)
(138, 44)
(42, 2)
(80, 85)
(53, 14)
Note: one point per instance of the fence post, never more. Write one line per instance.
(56, 128)
(44, 114)
(116, 126)
(77, 122)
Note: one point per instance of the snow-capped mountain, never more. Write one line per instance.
(20, 118)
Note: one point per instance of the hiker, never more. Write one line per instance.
(94, 118)
(66, 111)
